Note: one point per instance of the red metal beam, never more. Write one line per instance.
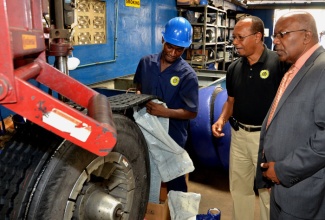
(22, 38)
(63, 120)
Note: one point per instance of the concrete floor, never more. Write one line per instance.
(213, 185)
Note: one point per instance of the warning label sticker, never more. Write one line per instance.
(29, 42)
(132, 3)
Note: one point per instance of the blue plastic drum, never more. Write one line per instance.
(208, 150)
(222, 144)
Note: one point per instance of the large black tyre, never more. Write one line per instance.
(21, 162)
(74, 183)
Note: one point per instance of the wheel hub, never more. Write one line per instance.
(96, 204)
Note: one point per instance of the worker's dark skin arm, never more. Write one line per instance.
(161, 111)
(227, 110)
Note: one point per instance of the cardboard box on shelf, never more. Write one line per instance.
(185, 2)
(195, 52)
(157, 211)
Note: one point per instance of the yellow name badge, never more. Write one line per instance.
(132, 3)
(29, 42)
(174, 80)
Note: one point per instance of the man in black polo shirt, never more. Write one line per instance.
(251, 82)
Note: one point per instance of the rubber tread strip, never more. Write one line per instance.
(128, 100)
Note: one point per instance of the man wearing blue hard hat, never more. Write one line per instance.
(168, 76)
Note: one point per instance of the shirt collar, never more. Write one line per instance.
(300, 62)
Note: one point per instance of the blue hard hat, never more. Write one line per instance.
(178, 31)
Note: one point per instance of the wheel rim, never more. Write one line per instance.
(104, 190)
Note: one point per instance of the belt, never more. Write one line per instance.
(249, 129)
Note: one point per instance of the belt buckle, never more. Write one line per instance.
(248, 129)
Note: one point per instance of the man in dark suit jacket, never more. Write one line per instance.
(292, 144)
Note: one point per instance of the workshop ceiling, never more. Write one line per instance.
(281, 1)
(267, 4)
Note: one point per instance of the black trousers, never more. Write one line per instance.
(177, 184)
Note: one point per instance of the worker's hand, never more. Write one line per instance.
(156, 109)
(138, 92)
(270, 172)
(217, 128)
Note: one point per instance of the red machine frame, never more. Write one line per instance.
(23, 60)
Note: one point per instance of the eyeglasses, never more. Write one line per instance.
(280, 35)
(241, 38)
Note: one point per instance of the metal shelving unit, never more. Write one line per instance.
(209, 23)
(230, 50)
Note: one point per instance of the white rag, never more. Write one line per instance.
(171, 159)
